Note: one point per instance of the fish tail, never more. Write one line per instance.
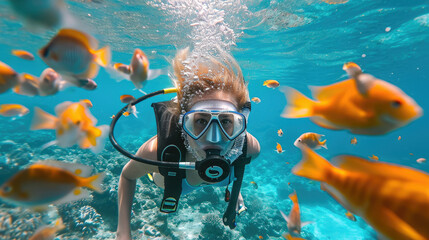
(312, 165)
(298, 105)
(43, 120)
(103, 56)
(323, 144)
(293, 197)
(95, 182)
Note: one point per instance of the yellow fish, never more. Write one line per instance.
(311, 140)
(8, 77)
(294, 223)
(373, 157)
(255, 185)
(393, 199)
(256, 100)
(279, 148)
(280, 132)
(350, 216)
(122, 68)
(13, 110)
(363, 105)
(399, 138)
(50, 182)
(23, 54)
(48, 232)
(271, 83)
(131, 109)
(72, 53)
(74, 124)
(139, 69)
(353, 141)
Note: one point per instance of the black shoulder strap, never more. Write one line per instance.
(239, 165)
(171, 149)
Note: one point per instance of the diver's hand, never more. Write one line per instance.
(120, 236)
(240, 208)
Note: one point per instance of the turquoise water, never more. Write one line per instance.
(298, 43)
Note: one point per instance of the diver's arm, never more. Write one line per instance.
(127, 185)
(253, 147)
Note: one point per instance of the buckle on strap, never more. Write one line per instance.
(168, 205)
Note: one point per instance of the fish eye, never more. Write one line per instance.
(396, 103)
(299, 140)
(7, 189)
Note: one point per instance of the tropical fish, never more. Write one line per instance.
(256, 100)
(290, 237)
(279, 148)
(399, 138)
(46, 13)
(294, 223)
(280, 132)
(87, 102)
(139, 69)
(48, 232)
(87, 84)
(373, 157)
(369, 106)
(255, 185)
(353, 141)
(28, 85)
(50, 182)
(50, 82)
(13, 110)
(72, 53)
(8, 77)
(311, 140)
(271, 84)
(23, 54)
(260, 237)
(131, 109)
(421, 160)
(393, 199)
(122, 68)
(74, 124)
(350, 216)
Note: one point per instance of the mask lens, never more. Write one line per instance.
(196, 123)
(232, 124)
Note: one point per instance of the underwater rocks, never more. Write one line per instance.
(17, 224)
(88, 221)
(213, 228)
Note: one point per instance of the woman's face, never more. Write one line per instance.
(213, 138)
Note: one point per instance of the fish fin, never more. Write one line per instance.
(323, 144)
(386, 221)
(103, 56)
(298, 105)
(43, 120)
(89, 41)
(390, 170)
(154, 73)
(293, 197)
(95, 182)
(60, 108)
(286, 218)
(364, 82)
(352, 69)
(90, 73)
(305, 223)
(77, 169)
(322, 122)
(76, 194)
(312, 165)
(101, 140)
(325, 93)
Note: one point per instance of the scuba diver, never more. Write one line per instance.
(201, 137)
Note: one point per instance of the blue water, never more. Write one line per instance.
(298, 43)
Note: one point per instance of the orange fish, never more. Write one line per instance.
(48, 232)
(23, 54)
(127, 98)
(280, 132)
(311, 140)
(256, 100)
(350, 216)
(260, 237)
(74, 124)
(373, 157)
(393, 199)
(50, 82)
(255, 185)
(411, 154)
(279, 148)
(399, 138)
(72, 53)
(421, 160)
(290, 237)
(294, 220)
(50, 182)
(28, 86)
(8, 77)
(369, 106)
(122, 68)
(13, 110)
(112, 117)
(271, 84)
(353, 141)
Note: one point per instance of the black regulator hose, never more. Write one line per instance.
(125, 152)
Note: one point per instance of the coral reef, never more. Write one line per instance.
(213, 228)
(18, 224)
(88, 221)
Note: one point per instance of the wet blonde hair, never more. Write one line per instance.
(198, 75)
